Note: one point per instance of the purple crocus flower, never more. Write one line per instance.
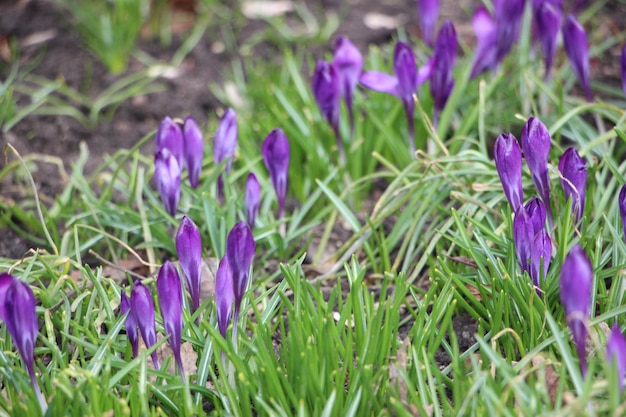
(240, 249)
(548, 22)
(574, 171)
(621, 202)
(442, 79)
(224, 146)
(170, 296)
(20, 316)
(194, 150)
(485, 58)
(577, 49)
(428, 11)
(276, 158)
(508, 157)
(169, 136)
(252, 199)
(508, 16)
(189, 249)
(325, 85)
(616, 353)
(540, 251)
(537, 213)
(576, 283)
(348, 64)
(142, 307)
(403, 85)
(623, 68)
(536, 146)
(131, 324)
(224, 295)
(167, 179)
(523, 237)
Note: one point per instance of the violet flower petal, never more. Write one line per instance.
(535, 140)
(189, 250)
(577, 49)
(130, 324)
(623, 68)
(224, 295)
(325, 84)
(576, 283)
(5, 281)
(485, 29)
(194, 150)
(170, 296)
(428, 12)
(541, 250)
(508, 157)
(621, 202)
(379, 81)
(240, 249)
(169, 136)
(523, 237)
(224, 146)
(167, 179)
(442, 79)
(574, 171)
(548, 21)
(252, 199)
(276, 158)
(616, 353)
(508, 17)
(142, 307)
(348, 63)
(537, 213)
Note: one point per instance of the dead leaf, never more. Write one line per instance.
(549, 374)
(164, 352)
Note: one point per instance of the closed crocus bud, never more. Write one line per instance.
(276, 158)
(523, 237)
(508, 16)
(240, 249)
(167, 179)
(442, 79)
(194, 150)
(616, 353)
(537, 213)
(189, 250)
(576, 284)
(224, 146)
(348, 63)
(171, 302)
(540, 252)
(325, 85)
(5, 281)
(548, 22)
(508, 157)
(169, 136)
(142, 307)
(252, 199)
(224, 295)
(131, 323)
(623, 68)
(621, 202)
(485, 58)
(428, 12)
(536, 146)
(574, 171)
(577, 49)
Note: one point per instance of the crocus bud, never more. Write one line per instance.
(189, 249)
(576, 283)
(537, 213)
(442, 79)
(224, 296)
(485, 29)
(326, 91)
(167, 179)
(240, 249)
(276, 158)
(574, 171)
(252, 199)
(536, 146)
(616, 353)
(428, 12)
(623, 68)
(142, 307)
(523, 237)
(348, 64)
(194, 150)
(169, 136)
(540, 251)
(508, 16)
(131, 323)
(577, 49)
(20, 317)
(621, 202)
(548, 22)
(5, 281)
(508, 157)
(171, 302)
(224, 146)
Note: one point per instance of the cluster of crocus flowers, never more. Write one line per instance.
(577, 49)
(17, 311)
(176, 149)
(224, 146)
(276, 157)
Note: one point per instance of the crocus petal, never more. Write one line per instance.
(576, 284)
(508, 157)
(348, 62)
(189, 249)
(224, 295)
(252, 199)
(621, 202)
(379, 81)
(548, 22)
(523, 237)
(540, 251)
(131, 323)
(623, 68)
(577, 49)
(167, 179)
(508, 16)
(616, 353)
(325, 83)
(171, 302)
(536, 145)
(428, 12)
(537, 213)
(574, 171)
(276, 158)
(142, 307)
(169, 136)
(5, 281)
(194, 150)
(405, 69)
(442, 80)
(485, 30)
(225, 141)
(240, 249)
